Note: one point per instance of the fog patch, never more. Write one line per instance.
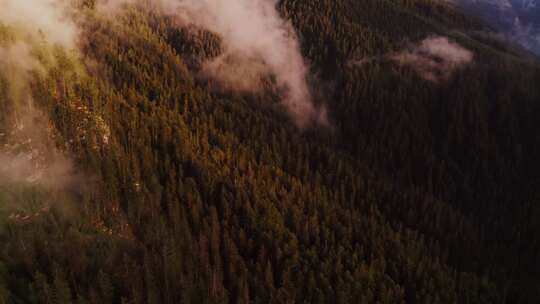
(434, 58)
(257, 42)
(29, 30)
(45, 19)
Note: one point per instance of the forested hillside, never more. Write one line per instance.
(420, 186)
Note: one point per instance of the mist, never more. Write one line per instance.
(257, 43)
(31, 168)
(434, 58)
(27, 154)
(45, 19)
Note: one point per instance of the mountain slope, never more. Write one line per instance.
(418, 191)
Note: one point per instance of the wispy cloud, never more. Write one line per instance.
(30, 27)
(434, 58)
(257, 43)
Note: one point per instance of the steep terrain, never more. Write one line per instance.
(514, 20)
(418, 186)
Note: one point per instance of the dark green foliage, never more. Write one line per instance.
(420, 193)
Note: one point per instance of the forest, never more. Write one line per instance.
(159, 185)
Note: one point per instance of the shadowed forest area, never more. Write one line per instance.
(183, 191)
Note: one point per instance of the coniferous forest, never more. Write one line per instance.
(161, 186)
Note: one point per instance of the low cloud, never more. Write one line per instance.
(30, 168)
(257, 42)
(27, 154)
(434, 58)
(46, 19)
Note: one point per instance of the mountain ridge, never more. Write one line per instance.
(517, 21)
